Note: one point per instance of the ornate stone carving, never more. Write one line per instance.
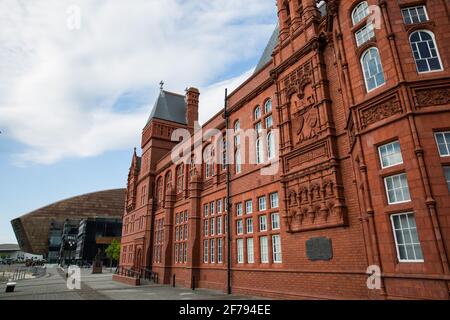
(380, 112)
(433, 97)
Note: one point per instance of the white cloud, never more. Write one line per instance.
(58, 87)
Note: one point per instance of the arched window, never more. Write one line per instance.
(180, 178)
(159, 190)
(372, 69)
(268, 106)
(257, 112)
(259, 152)
(168, 181)
(270, 145)
(425, 51)
(192, 169)
(237, 159)
(208, 158)
(360, 12)
(237, 126)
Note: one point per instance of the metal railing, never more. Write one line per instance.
(148, 274)
(20, 273)
(121, 271)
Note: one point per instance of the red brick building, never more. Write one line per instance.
(358, 93)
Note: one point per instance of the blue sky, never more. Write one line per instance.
(73, 101)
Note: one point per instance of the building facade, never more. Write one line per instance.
(354, 95)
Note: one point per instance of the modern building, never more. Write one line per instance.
(40, 232)
(350, 103)
(93, 238)
(12, 252)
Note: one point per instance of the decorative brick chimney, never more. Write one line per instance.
(192, 95)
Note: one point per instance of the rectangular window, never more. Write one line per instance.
(274, 200)
(239, 227)
(211, 250)
(406, 237)
(263, 223)
(219, 206)
(205, 228)
(240, 250)
(249, 223)
(219, 225)
(262, 203)
(250, 251)
(364, 34)
(212, 225)
(225, 208)
(185, 252)
(219, 250)
(239, 209)
(248, 206)
(258, 127)
(390, 154)
(397, 189)
(211, 208)
(176, 253)
(443, 142)
(205, 251)
(415, 15)
(176, 233)
(269, 122)
(275, 217)
(205, 210)
(276, 248)
(264, 248)
(447, 176)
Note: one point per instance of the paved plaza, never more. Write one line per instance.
(52, 286)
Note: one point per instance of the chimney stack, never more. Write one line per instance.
(192, 95)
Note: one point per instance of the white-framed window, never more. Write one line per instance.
(364, 34)
(414, 15)
(425, 51)
(258, 127)
(268, 106)
(205, 228)
(264, 249)
(263, 223)
(205, 251)
(219, 206)
(237, 126)
(275, 219)
(262, 203)
(257, 113)
(249, 223)
(239, 226)
(176, 253)
(238, 161)
(212, 225)
(205, 210)
(239, 209)
(208, 158)
(211, 207)
(443, 143)
(240, 250)
(447, 176)
(397, 189)
(274, 200)
(219, 250)
(211, 250)
(248, 206)
(271, 145)
(219, 226)
(372, 69)
(406, 237)
(250, 251)
(259, 152)
(390, 154)
(360, 12)
(185, 252)
(269, 122)
(276, 248)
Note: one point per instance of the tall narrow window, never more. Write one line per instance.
(360, 12)
(262, 203)
(425, 51)
(276, 248)
(390, 154)
(238, 161)
(406, 238)
(250, 251)
(219, 206)
(274, 200)
(263, 223)
(248, 207)
(372, 69)
(447, 176)
(249, 223)
(257, 112)
(269, 122)
(239, 227)
(271, 145)
(208, 157)
(219, 250)
(397, 189)
(443, 142)
(169, 181)
(219, 225)
(205, 251)
(180, 178)
(259, 152)
(211, 250)
(239, 209)
(275, 218)
(240, 250)
(264, 249)
(268, 106)
(212, 226)
(159, 190)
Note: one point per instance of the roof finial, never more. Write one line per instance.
(161, 84)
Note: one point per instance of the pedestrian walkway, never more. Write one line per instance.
(101, 287)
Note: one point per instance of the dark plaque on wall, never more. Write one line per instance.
(319, 249)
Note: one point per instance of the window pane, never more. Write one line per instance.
(406, 237)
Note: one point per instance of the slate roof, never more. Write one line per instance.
(267, 54)
(169, 106)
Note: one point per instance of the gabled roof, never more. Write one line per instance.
(267, 54)
(169, 106)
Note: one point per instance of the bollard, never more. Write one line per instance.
(10, 286)
(193, 283)
(173, 281)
